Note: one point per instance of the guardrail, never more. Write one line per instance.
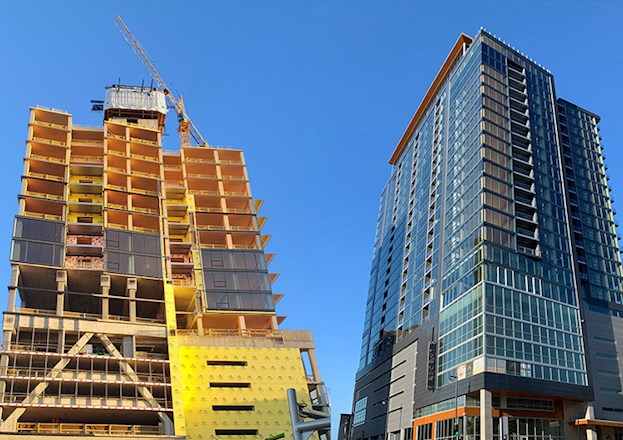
(48, 158)
(143, 141)
(49, 141)
(87, 429)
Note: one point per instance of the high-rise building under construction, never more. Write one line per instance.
(140, 300)
(494, 308)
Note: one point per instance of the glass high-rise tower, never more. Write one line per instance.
(495, 300)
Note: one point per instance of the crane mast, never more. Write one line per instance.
(186, 129)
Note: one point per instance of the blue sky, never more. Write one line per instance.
(317, 93)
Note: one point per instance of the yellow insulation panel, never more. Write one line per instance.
(269, 372)
(174, 359)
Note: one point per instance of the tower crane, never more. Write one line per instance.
(186, 129)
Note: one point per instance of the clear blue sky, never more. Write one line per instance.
(317, 93)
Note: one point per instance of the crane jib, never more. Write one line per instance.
(186, 128)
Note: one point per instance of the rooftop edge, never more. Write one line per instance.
(443, 73)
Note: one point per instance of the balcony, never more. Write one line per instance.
(45, 190)
(516, 83)
(46, 170)
(198, 155)
(524, 172)
(145, 186)
(233, 157)
(518, 104)
(213, 240)
(42, 208)
(49, 135)
(200, 171)
(50, 118)
(146, 223)
(524, 216)
(235, 188)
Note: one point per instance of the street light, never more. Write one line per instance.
(456, 405)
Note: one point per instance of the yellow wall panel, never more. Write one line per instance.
(174, 361)
(270, 372)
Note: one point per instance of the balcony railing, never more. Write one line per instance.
(86, 159)
(144, 229)
(87, 429)
(144, 191)
(199, 160)
(46, 176)
(51, 125)
(145, 173)
(146, 210)
(117, 136)
(213, 246)
(143, 141)
(49, 141)
(45, 216)
(85, 402)
(117, 206)
(45, 195)
(47, 158)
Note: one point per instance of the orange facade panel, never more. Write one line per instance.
(442, 75)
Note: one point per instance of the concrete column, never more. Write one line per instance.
(11, 306)
(504, 426)
(314, 365)
(131, 291)
(200, 331)
(242, 324)
(168, 427)
(486, 416)
(60, 303)
(199, 311)
(6, 341)
(61, 286)
(13, 287)
(105, 287)
(4, 363)
(61, 341)
(591, 432)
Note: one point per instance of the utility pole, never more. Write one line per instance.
(456, 405)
